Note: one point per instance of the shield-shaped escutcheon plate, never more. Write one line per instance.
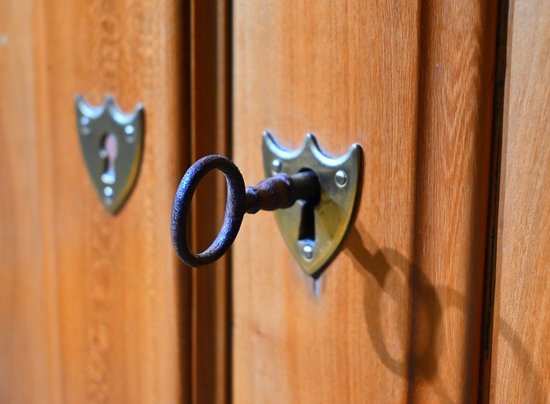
(340, 179)
(112, 146)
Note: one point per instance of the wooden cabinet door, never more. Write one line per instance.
(93, 307)
(397, 316)
(96, 307)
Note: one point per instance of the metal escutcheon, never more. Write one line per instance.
(313, 195)
(112, 146)
(315, 234)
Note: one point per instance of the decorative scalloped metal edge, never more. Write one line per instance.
(93, 124)
(336, 211)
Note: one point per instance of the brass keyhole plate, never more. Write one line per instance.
(315, 241)
(112, 145)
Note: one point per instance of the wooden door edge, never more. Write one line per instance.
(210, 126)
(499, 97)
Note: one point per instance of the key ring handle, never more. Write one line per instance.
(235, 208)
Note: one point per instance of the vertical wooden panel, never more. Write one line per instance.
(29, 352)
(398, 313)
(520, 368)
(210, 124)
(96, 307)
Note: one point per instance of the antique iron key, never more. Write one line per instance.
(278, 192)
(314, 196)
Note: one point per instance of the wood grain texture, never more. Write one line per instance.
(94, 308)
(520, 365)
(398, 314)
(28, 341)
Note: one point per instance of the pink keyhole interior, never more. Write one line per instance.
(110, 145)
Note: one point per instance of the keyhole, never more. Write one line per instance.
(306, 233)
(307, 222)
(109, 152)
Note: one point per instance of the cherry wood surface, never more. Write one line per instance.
(93, 307)
(398, 314)
(29, 353)
(520, 357)
(96, 308)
